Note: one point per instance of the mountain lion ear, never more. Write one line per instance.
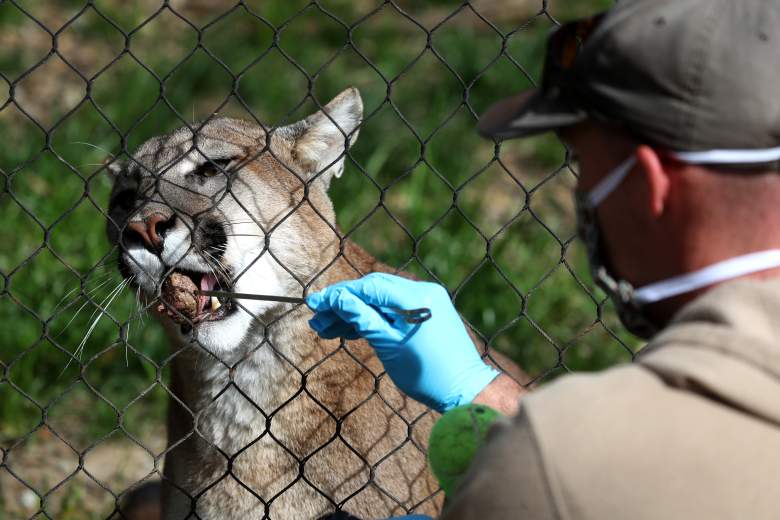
(320, 142)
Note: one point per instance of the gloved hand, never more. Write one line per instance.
(434, 362)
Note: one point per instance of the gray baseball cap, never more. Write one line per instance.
(685, 75)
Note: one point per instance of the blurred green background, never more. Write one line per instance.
(424, 69)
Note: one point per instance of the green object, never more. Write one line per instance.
(454, 440)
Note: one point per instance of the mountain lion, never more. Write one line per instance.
(265, 419)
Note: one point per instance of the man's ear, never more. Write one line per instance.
(657, 178)
(320, 142)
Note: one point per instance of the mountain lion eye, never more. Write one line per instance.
(213, 167)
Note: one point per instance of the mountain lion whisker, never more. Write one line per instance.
(105, 276)
(88, 293)
(222, 268)
(100, 312)
(96, 147)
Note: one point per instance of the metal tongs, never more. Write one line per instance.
(412, 316)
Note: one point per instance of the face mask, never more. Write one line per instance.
(631, 303)
(622, 293)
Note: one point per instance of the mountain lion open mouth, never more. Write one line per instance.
(184, 305)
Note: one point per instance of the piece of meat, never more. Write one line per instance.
(179, 292)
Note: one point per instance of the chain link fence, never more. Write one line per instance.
(87, 373)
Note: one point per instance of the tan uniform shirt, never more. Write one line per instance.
(691, 430)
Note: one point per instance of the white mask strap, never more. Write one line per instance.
(757, 156)
(718, 272)
(607, 185)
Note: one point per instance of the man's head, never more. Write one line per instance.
(668, 217)
(670, 107)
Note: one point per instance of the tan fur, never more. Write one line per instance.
(283, 425)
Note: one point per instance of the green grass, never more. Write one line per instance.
(525, 301)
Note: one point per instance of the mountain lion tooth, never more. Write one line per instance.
(215, 303)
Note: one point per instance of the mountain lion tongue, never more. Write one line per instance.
(207, 283)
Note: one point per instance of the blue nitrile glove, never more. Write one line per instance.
(434, 362)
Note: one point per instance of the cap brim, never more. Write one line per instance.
(528, 113)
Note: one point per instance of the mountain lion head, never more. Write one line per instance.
(232, 207)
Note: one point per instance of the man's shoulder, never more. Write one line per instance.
(623, 437)
(609, 444)
(594, 397)
(591, 430)
(619, 405)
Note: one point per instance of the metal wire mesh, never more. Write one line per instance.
(40, 102)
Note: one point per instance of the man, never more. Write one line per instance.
(673, 110)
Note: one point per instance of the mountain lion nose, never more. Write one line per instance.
(150, 230)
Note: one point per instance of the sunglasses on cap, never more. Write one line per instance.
(563, 46)
(550, 106)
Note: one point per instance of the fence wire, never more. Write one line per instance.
(493, 231)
